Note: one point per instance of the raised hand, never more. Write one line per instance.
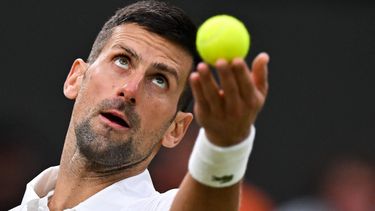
(226, 112)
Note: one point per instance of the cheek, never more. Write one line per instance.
(95, 87)
(100, 84)
(156, 113)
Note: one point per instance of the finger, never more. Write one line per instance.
(260, 72)
(209, 87)
(243, 78)
(198, 92)
(228, 84)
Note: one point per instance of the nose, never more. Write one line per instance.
(129, 89)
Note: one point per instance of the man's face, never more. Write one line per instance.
(128, 97)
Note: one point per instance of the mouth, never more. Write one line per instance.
(115, 119)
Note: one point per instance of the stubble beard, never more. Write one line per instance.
(100, 150)
(104, 153)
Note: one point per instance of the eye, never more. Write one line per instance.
(122, 62)
(160, 81)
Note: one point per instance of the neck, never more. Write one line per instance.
(78, 179)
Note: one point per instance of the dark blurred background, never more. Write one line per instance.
(321, 101)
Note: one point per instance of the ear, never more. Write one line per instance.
(177, 129)
(73, 81)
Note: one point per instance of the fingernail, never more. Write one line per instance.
(266, 56)
(221, 62)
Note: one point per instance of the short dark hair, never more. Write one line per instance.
(161, 18)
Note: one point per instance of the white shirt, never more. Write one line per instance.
(133, 194)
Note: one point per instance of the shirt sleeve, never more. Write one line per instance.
(166, 200)
(157, 202)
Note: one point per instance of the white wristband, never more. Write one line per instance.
(217, 166)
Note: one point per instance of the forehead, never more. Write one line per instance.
(151, 47)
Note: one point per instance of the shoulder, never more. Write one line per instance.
(159, 201)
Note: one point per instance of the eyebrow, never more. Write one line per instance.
(128, 50)
(167, 69)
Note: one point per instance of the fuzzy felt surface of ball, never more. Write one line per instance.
(222, 36)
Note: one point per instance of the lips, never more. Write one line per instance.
(115, 119)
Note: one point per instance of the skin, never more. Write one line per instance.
(225, 112)
(134, 79)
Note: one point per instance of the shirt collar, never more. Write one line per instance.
(139, 186)
(41, 185)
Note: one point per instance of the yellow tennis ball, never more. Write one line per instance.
(222, 36)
